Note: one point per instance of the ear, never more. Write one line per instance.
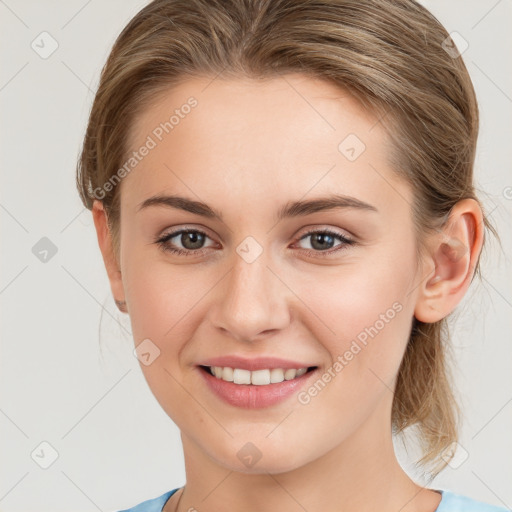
(454, 253)
(105, 242)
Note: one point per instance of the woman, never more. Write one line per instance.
(283, 197)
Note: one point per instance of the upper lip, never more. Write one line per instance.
(257, 363)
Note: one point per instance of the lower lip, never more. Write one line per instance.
(249, 396)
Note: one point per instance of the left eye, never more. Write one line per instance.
(322, 241)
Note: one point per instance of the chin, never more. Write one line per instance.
(261, 467)
(268, 460)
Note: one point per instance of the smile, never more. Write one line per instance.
(257, 377)
(255, 389)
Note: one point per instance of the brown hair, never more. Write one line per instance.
(388, 53)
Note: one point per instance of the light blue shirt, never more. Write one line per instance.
(450, 502)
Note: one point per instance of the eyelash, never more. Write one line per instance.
(163, 242)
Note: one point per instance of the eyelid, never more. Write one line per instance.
(185, 227)
(172, 232)
(315, 228)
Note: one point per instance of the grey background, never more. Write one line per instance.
(68, 376)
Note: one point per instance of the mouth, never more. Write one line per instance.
(255, 389)
(261, 377)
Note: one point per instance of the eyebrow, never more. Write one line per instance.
(289, 210)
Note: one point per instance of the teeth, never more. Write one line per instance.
(256, 377)
(241, 376)
(227, 374)
(301, 371)
(276, 375)
(260, 377)
(290, 374)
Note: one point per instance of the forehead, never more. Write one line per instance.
(259, 138)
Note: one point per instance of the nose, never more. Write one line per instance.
(252, 301)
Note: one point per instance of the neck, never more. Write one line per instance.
(361, 474)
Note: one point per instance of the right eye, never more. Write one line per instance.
(191, 240)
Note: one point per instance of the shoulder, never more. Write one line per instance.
(453, 502)
(152, 505)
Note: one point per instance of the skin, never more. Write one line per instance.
(247, 149)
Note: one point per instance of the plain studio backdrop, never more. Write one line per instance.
(80, 429)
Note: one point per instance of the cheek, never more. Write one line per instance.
(362, 312)
(164, 304)
(160, 295)
(371, 320)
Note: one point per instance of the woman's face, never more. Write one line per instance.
(263, 279)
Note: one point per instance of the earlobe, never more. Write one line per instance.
(106, 247)
(455, 250)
